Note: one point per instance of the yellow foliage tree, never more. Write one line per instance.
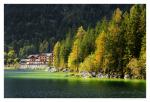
(74, 57)
(88, 64)
(100, 49)
(134, 65)
(117, 15)
(56, 54)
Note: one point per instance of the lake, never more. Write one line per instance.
(40, 84)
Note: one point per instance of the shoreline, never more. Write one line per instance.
(41, 74)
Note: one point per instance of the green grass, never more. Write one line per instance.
(38, 74)
(34, 75)
(9, 68)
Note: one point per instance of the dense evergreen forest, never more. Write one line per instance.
(94, 38)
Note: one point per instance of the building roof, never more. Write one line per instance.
(46, 54)
(35, 55)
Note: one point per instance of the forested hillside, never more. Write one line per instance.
(114, 48)
(32, 29)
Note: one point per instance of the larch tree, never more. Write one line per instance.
(56, 54)
(62, 55)
(75, 55)
(87, 44)
(100, 50)
(73, 60)
(111, 56)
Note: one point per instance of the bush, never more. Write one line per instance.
(88, 64)
(137, 69)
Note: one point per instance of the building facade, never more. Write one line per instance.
(35, 61)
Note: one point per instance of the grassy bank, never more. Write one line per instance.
(9, 68)
(38, 74)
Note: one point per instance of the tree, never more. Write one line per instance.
(75, 55)
(143, 51)
(56, 54)
(136, 69)
(27, 50)
(87, 45)
(100, 50)
(142, 59)
(43, 48)
(88, 64)
(65, 49)
(112, 57)
(22, 53)
(62, 55)
(125, 32)
(134, 35)
(73, 60)
(11, 56)
(135, 52)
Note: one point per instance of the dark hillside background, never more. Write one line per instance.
(34, 28)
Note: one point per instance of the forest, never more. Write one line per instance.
(35, 28)
(107, 39)
(115, 47)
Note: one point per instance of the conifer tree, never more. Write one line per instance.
(56, 54)
(111, 56)
(62, 55)
(100, 50)
(75, 55)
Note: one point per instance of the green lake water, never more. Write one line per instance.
(40, 84)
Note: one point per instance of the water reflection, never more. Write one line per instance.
(73, 88)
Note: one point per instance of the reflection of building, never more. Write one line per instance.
(37, 61)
